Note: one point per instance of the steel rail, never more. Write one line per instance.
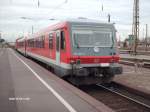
(129, 98)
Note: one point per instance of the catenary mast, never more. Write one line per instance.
(135, 25)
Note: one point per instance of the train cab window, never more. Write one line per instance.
(51, 41)
(62, 40)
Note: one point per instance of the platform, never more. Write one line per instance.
(25, 86)
(138, 79)
(140, 57)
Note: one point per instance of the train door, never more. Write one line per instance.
(58, 47)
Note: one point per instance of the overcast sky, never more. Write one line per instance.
(12, 25)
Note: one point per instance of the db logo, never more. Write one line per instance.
(96, 49)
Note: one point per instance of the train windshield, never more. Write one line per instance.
(92, 39)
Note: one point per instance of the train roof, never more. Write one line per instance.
(86, 21)
(73, 22)
(89, 22)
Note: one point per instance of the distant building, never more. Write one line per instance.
(131, 40)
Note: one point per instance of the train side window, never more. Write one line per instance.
(31, 42)
(38, 42)
(51, 41)
(57, 42)
(42, 41)
(62, 40)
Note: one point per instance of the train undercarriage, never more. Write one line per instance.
(93, 75)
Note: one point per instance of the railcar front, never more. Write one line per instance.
(94, 55)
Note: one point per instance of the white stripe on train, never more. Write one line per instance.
(64, 65)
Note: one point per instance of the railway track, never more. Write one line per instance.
(138, 59)
(120, 100)
(135, 63)
(138, 52)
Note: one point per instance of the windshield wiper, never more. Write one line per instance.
(76, 43)
(112, 42)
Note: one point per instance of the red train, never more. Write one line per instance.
(81, 51)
